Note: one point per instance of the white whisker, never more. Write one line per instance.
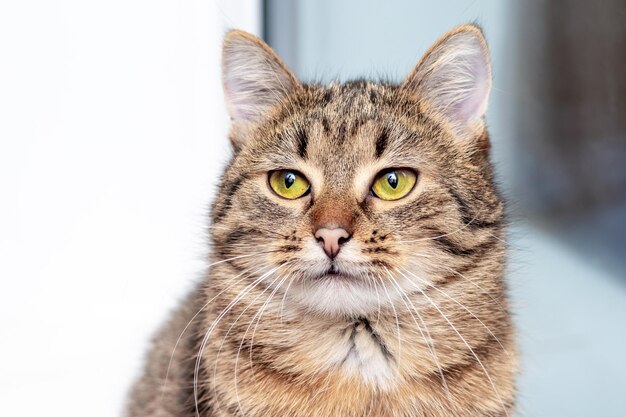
(466, 225)
(480, 363)
(256, 317)
(212, 327)
(460, 305)
(169, 365)
(395, 315)
(248, 329)
(471, 281)
(429, 340)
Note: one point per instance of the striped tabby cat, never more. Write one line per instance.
(357, 249)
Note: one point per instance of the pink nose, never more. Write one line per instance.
(332, 239)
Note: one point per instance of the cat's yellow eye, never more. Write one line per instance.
(288, 184)
(393, 184)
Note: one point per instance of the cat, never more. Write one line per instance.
(358, 251)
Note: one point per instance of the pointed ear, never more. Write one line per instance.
(453, 80)
(254, 79)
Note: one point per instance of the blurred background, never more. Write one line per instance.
(113, 135)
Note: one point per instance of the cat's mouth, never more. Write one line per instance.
(334, 274)
(333, 270)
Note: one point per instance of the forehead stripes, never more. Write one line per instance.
(302, 139)
(381, 143)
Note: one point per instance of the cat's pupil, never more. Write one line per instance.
(392, 179)
(290, 178)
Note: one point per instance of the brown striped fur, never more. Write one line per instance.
(421, 329)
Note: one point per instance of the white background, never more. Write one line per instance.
(112, 136)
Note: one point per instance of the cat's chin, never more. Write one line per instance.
(337, 294)
(335, 276)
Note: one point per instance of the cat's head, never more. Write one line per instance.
(350, 196)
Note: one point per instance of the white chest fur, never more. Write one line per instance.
(361, 353)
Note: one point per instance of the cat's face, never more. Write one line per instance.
(347, 197)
